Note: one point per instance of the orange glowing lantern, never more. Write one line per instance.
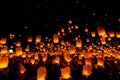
(72, 49)
(44, 58)
(93, 34)
(65, 72)
(101, 31)
(88, 61)
(29, 38)
(57, 60)
(38, 39)
(4, 50)
(111, 34)
(86, 30)
(87, 70)
(70, 21)
(55, 38)
(79, 43)
(18, 43)
(100, 62)
(18, 51)
(63, 30)
(41, 73)
(4, 62)
(22, 69)
(76, 26)
(3, 40)
(36, 56)
(23, 55)
(118, 34)
(67, 58)
(32, 61)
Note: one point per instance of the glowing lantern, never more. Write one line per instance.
(27, 48)
(4, 50)
(41, 73)
(72, 49)
(41, 44)
(19, 51)
(22, 69)
(79, 43)
(3, 40)
(29, 38)
(44, 58)
(111, 34)
(118, 34)
(93, 34)
(101, 31)
(18, 43)
(87, 70)
(32, 61)
(67, 58)
(56, 60)
(100, 62)
(4, 62)
(70, 21)
(87, 40)
(86, 30)
(23, 55)
(55, 38)
(36, 56)
(62, 30)
(11, 36)
(76, 26)
(88, 61)
(38, 39)
(65, 72)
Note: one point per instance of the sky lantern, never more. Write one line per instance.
(22, 69)
(18, 43)
(87, 70)
(101, 31)
(23, 55)
(29, 38)
(3, 40)
(32, 61)
(55, 38)
(88, 61)
(11, 35)
(118, 34)
(76, 26)
(86, 29)
(100, 62)
(4, 62)
(79, 43)
(72, 49)
(70, 21)
(62, 30)
(19, 51)
(44, 58)
(65, 73)
(3, 50)
(36, 56)
(111, 34)
(57, 60)
(27, 48)
(93, 34)
(41, 73)
(38, 39)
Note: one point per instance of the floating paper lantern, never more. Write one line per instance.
(41, 73)
(100, 62)
(88, 61)
(4, 62)
(70, 21)
(18, 51)
(55, 38)
(87, 70)
(23, 55)
(36, 56)
(65, 73)
(79, 43)
(118, 34)
(72, 49)
(86, 30)
(67, 58)
(22, 69)
(32, 61)
(29, 38)
(76, 26)
(18, 43)
(111, 34)
(38, 39)
(101, 31)
(93, 34)
(3, 40)
(4, 50)
(57, 60)
(44, 58)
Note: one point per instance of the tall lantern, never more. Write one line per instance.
(87, 70)
(55, 38)
(65, 72)
(79, 43)
(4, 62)
(41, 73)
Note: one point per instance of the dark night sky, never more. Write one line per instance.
(44, 15)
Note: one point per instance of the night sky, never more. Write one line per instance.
(48, 16)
